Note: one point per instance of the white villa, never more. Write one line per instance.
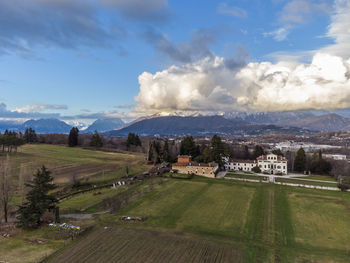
(273, 164)
(239, 165)
(270, 163)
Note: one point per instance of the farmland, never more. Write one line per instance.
(222, 221)
(67, 162)
(195, 220)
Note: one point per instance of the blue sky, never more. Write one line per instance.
(82, 59)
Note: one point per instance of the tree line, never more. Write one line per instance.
(9, 141)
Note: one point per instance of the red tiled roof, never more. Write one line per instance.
(212, 164)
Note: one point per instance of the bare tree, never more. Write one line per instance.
(5, 186)
(24, 177)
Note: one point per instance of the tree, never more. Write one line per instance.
(344, 183)
(11, 140)
(30, 136)
(256, 169)
(320, 165)
(205, 157)
(154, 152)
(133, 139)
(165, 152)
(246, 154)
(278, 152)
(258, 151)
(73, 137)
(38, 200)
(300, 161)
(188, 147)
(218, 149)
(5, 186)
(96, 140)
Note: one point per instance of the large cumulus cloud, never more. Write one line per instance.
(210, 85)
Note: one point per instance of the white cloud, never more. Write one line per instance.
(212, 85)
(279, 34)
(296, 13)
(339, 29)
(209, 85)
(301, 11)
(225, 9)
(40, 108)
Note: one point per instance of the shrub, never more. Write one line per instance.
(256, 169)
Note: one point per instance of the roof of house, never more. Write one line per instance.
(212, 164)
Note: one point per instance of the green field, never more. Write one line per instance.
(192, 220)
(247, 176)
(306, 182)
(233, 221)
(67, 163)
(318, 177)
(83, 202)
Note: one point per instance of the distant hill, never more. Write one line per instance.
(324, 123)
(277, 118)
(103, 125)
(47, 126)
(9, 125)
(199, 125)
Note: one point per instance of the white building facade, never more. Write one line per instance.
(335, 156)
(273, 164)
(239, 165)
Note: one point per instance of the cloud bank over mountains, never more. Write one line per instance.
(210, 84)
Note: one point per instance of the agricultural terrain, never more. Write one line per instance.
(68, 165)
(212, 220)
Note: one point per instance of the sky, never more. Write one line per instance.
(79, 60)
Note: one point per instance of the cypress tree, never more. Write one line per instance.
(73, 137)
(258, 151)
(300, 161)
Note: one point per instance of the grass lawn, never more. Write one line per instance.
(247, 176)
(321, 221)
(318, 177)
(84, 201)
(207, 220)
(22, 248)
(306, 182)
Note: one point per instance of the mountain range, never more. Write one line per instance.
(199, 125)
(235, 123)
(104, 125)
(58, 126)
